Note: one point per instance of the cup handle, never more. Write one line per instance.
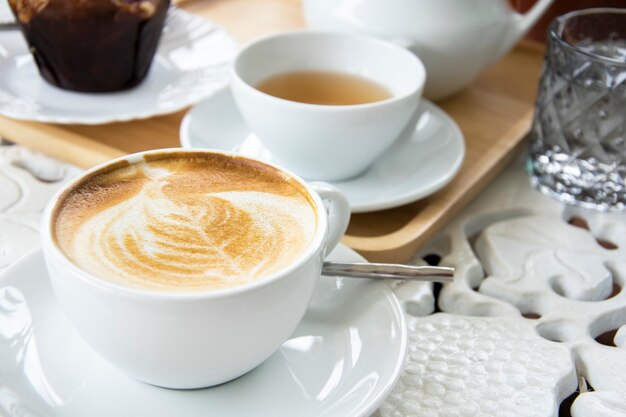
(338, 213)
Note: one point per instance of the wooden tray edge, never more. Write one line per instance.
(400, 245)
(57, 142)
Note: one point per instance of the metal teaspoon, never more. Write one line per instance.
(10, 25)
(442, 274)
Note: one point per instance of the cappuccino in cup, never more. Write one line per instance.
(185, 222)
(188, 268)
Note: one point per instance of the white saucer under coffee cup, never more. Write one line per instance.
(327, 142)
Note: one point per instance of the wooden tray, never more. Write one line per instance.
(494, 114)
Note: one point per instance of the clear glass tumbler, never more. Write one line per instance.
(578, 138)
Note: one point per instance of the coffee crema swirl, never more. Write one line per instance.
(190, 223)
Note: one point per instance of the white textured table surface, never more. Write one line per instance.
(514, 335)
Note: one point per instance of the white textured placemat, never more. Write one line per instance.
(539, 291)
(516, 254)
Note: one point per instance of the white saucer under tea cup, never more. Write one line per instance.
(327, 142)
(426, 156)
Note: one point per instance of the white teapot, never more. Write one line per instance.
(455, 39)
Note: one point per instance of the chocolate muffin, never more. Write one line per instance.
(92, 45)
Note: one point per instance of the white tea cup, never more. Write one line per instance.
(327, 142)
(191, 339)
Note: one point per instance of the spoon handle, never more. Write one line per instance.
(9, 25)
(442, 274)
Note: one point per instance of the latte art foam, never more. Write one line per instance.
(186, 224)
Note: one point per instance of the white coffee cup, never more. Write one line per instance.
(325, 142)
(192, 339)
